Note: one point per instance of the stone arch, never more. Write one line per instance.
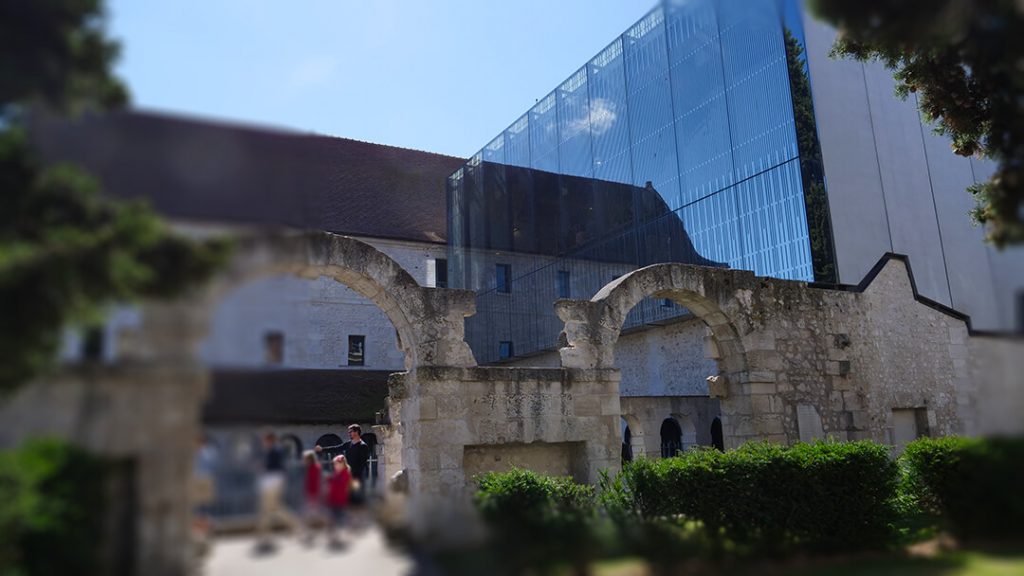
(689, 430)
(430, 322)
(593, 327)
(671, 437)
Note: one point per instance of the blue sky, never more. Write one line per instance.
(438, 75)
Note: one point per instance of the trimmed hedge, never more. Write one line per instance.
(51, 504)
(765, 498)
(975, 486)
(537, 521)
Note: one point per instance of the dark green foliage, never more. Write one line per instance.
(51, 506)
(962, 60)
(538, 521)
(55, 52)
(974, 485)
(812, 168)
(65, 250)
(764, 498)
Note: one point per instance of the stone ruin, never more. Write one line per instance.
(795, 362)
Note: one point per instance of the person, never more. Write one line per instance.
(357, 455)
(312, 492)
(338, 495)
(203, 493)
(271, 489)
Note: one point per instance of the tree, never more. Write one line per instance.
(963, 59)
(66, 251)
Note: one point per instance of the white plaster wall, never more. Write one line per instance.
(315, 316)
(655, 361)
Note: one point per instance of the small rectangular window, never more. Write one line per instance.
(93, 340)
(503, 278)
(666, 303)
(563, 284)
(1020, 311)
(441, 273)
(437, 273)
(505, 349)
(356, 350)
(273, 347)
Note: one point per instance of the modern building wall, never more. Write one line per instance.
(894, 185)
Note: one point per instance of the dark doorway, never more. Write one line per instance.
(329, 440)
(627, 446)
(671, 438)
(716, 435)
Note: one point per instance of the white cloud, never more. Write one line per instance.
(599, 119)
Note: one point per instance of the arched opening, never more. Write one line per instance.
(671, 438)
(292, 446)
(627, 442)
(593, 328)
(717, 439)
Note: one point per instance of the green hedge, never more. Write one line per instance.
(537, 521)
(51, 503)
(974, 486)
(765, 498)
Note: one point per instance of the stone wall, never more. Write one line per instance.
(837, 361)
(494, 416)
(147, 415)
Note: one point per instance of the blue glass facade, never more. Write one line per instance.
(689, 138)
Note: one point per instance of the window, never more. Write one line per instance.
(356, 350)
(1020, 311)
(666, 303)
(273, 348)
(437, 273)
(441, 273)
(503, 278)
(93, 340)
(563, 284)
(505, 350)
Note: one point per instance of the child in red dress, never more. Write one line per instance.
(338, 489)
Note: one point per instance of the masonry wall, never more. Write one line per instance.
(148, 416)
(491, 418)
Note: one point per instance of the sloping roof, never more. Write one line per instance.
(295, 396)
(205, 171)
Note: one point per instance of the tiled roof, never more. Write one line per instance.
(295, 396)
(204, 171)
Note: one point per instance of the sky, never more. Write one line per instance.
(444, 76)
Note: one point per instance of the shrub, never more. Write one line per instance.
(972, 484)
(765, 498)
(51, 503)
(538, 521)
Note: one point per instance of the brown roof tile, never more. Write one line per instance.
(205, 171)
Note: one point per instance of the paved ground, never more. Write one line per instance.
(365, 552)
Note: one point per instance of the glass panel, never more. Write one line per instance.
(650, 108)
(544, 135)
(609, 116)
(574, 153)
(757, 84)
(698, 91)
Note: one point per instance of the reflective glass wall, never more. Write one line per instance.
(689, 138)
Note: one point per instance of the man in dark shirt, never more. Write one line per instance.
(357, 454)
(271, 485)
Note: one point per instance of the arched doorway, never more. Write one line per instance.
(627, 442)
(292, 446)
(717, 439)
(671, 438)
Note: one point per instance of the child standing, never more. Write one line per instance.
(338, 489)
(312, 491)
